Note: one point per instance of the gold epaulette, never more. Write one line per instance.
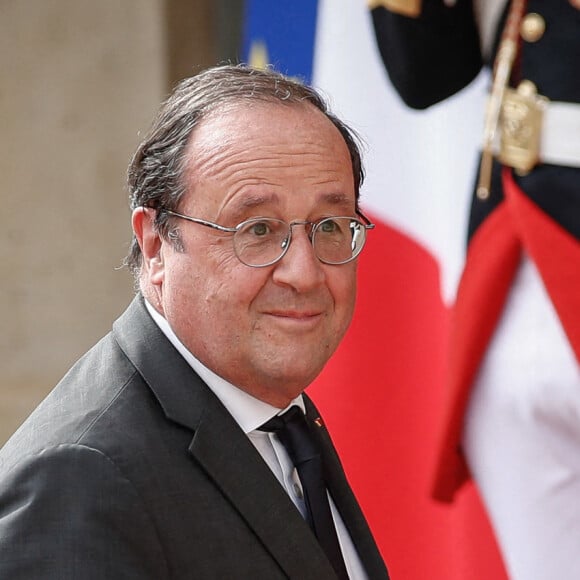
(411, 8)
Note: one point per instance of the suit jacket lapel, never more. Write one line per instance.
(252, 488)
(220, 447)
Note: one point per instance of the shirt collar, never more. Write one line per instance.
(247, 411)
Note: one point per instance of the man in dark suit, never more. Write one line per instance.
(148, 459)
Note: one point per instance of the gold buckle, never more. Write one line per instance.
(521, 126)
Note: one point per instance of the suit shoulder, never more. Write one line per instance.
(88, 391)
(72, 504)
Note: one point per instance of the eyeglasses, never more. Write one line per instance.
(260, 242)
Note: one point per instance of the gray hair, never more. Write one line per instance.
(156, 172)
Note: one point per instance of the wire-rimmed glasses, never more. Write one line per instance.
(262, 241)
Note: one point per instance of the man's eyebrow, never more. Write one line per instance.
(252, 201)
(242, 205)
(255, 200)
(337, 199)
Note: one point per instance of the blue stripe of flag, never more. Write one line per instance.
(286, 30)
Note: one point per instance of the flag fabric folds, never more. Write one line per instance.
(382, 393)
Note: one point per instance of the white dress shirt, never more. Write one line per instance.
(250, 413)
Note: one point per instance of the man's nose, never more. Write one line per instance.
(299, 268)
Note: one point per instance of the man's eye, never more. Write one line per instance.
(260, 229)
(328, 227)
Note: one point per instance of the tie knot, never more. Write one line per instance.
(279, 422)
(294, 433)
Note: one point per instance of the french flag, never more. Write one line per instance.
(382, 393)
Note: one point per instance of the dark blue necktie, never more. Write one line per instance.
(294, 433)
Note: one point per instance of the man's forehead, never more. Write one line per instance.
(220, 117)
(259, 132)
(267, 155)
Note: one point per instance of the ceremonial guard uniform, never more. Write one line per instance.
(513, 410)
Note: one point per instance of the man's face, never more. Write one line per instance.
(267, 330)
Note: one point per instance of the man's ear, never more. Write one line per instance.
(150, 242)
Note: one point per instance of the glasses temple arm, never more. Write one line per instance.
(367, 222)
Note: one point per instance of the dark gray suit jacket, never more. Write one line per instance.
(132, 468)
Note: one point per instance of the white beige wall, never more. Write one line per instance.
(78, 80)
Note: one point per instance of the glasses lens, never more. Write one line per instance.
(338, 240)
(261, 241)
